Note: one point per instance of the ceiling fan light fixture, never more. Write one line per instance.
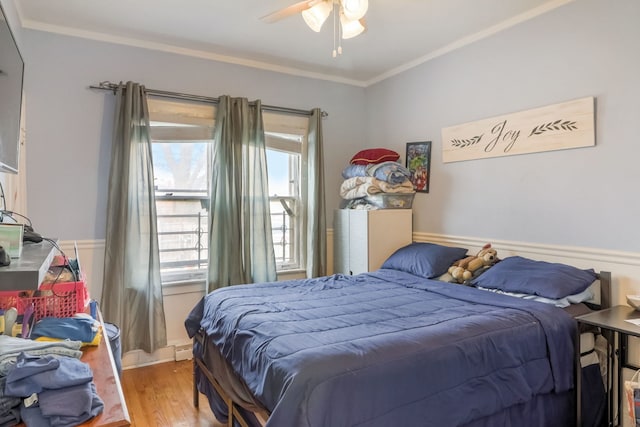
(350, 28)
(317, 15)
(354, 10)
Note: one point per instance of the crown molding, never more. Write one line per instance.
(266, 66)
(178, 50)
(470, 39)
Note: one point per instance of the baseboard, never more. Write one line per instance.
(139, 358)
(183, 352)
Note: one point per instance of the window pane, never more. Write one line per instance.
(283, 222)
(283, 168)
(180, 167)
(181, 198)
(182, 237)
(278, 166)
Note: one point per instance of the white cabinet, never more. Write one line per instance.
(363, 240)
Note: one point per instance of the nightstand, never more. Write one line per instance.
(614, 323)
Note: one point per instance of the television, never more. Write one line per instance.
(11, 80)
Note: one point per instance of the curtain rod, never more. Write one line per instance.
(107, 85)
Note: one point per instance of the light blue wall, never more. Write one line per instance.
(582, 197)
(14, 21)
(69, 125)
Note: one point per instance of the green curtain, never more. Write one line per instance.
(313, 200)
(132, 290)
(240, 239)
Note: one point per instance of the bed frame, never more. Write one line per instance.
(235, 415)
(605, 302)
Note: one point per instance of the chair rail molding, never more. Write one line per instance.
(624, 266)
(509, 248)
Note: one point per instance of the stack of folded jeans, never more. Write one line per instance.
(11, 347)
(9, 412)
(10, 350)
(56, 391)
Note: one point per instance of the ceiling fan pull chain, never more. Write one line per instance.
(334, 33)
(337, 20)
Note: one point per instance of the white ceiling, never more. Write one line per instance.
(400, 35)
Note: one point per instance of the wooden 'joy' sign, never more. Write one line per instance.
(554, 127)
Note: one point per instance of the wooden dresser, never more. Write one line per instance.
(107, 381)
(26, 273)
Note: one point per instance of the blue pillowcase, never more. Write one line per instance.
(545, 279)
(424, 259)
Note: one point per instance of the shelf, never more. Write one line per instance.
(28, 271)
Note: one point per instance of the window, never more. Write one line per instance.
(181, 132)
(283, 165)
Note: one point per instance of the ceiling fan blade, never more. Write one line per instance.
(363, 22)
(288, 11)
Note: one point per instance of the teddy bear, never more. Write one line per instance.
(465, 269)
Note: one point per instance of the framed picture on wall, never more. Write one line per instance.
(418, 163)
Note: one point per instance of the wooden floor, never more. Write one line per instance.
(162, 396)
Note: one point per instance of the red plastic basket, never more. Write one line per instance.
(64, 300)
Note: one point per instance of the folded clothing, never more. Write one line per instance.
(73, 328)
(352, 171)
(33, 374)
(34, 416)
(7, 403)
(10, 417)
(391, 172)
(59, 391)
(96, 340)
(66, 402)
(358, 187)
(12, 347)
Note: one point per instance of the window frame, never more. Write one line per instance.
(194, 122)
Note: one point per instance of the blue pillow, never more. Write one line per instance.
(424, 259)
(545, 279)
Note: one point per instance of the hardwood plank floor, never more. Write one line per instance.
(162, 396)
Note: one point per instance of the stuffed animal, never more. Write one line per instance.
(465, 269)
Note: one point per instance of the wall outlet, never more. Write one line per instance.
(184, 352)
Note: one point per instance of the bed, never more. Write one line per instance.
(395, 347)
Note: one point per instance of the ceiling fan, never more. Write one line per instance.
(350, 13)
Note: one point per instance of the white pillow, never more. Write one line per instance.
(584, 296)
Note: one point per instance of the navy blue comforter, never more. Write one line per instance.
(387, 348)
